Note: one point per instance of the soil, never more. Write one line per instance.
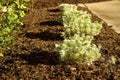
(34, 57)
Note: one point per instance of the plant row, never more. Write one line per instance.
(78, 33)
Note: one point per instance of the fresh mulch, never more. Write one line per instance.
(34, 57)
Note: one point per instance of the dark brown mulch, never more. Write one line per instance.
(33, 57)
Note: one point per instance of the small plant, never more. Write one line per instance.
(112, 60)
(10, 13)
(1, 55)
(78, 33)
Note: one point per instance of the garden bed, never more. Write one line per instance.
(34, 57)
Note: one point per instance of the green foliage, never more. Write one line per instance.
(1, 55)
(10, 13)
(78, 48)
(79, 22)
(112, 60)
(78, 34)
(68, 7)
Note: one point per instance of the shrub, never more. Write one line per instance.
(78, 48)
(79, 22)
(10, 13)
(78, 34)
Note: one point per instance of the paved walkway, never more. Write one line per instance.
(109, 11)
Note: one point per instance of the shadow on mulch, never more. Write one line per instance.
(54, 10)
(46, 35)
(41, 57)
(51, 23)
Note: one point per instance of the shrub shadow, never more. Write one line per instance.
(54, 10)
(41, 57)
(51, 23)
(46, 35)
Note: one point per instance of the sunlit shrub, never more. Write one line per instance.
(78, 33)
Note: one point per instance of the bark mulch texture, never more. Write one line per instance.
(34, 57)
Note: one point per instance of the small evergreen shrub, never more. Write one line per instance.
(78, 33)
